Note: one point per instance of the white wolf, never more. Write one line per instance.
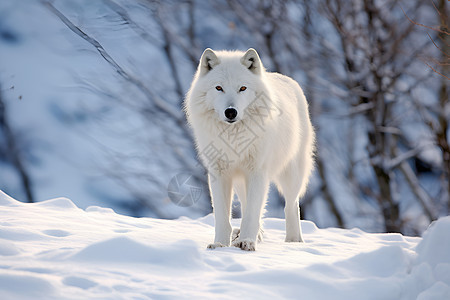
(251, 128)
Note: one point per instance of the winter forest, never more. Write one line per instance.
(91, 99)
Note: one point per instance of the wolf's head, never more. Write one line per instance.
(229, 82)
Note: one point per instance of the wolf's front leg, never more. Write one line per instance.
(220, 188)
(257, 187)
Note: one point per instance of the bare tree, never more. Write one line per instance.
(376, 56)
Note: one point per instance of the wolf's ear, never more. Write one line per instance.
(208, 61)
(252, 61)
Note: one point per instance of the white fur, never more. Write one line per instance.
(271, 141)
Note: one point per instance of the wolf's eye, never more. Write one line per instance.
(219, 88)
(243, 88)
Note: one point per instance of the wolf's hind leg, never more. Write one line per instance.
(290, 185)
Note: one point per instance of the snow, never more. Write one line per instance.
(54, 250)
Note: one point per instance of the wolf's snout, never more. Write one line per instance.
(231, 114)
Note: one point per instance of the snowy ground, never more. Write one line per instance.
(54, 250)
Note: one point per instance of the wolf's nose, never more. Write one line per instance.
(230, 114)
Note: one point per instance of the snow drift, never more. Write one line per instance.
(54, 250)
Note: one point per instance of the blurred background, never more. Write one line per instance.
(91, 102)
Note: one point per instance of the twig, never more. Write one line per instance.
(419, 24)
(436, 71)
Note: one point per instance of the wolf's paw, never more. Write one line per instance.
(247, 245)
(237, 231)
(215, 245)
